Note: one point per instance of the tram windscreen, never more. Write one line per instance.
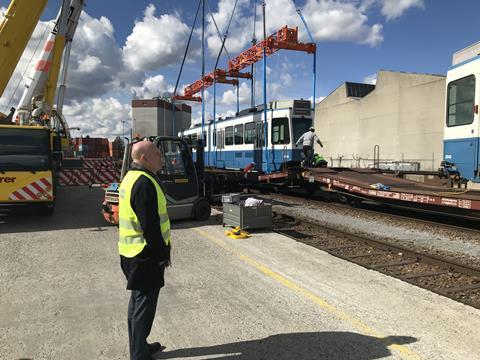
(280, 131)
(461, 101)
(300, 126)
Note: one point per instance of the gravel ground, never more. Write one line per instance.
(462, 246)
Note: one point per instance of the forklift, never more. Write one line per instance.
(181, 180)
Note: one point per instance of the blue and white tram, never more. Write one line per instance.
(236, 142)
(461, 143)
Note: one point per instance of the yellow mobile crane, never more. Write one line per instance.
(31, 136)
(15, 30)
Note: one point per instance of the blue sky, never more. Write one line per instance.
(128, 48)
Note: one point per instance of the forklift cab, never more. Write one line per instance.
(178, 179)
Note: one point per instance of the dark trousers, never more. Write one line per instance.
(308, 152)
(141, 312)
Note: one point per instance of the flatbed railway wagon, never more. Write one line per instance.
(357, 185)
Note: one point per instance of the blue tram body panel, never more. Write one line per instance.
(241, 159)
(465, 154)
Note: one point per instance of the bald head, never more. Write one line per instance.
(148, 155)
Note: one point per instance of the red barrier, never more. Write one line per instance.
(94, 171)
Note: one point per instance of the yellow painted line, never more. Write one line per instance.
(362, 327)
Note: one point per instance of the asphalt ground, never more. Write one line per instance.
(268, 297)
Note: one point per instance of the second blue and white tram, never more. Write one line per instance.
(461, 143)
(237, 142)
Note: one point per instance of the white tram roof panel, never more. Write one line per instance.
(466, 54)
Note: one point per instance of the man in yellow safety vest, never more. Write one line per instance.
(144, 244)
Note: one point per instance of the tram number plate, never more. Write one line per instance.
(311, 179)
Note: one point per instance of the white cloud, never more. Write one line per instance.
(99, 117)
(96, 65)
(371, 79)
(229, 97)
(329, 20)
(89, 64)
(152, 87)
(239, 35)
(155, 41)
(392, 9)
(286, 73)
(341, 21)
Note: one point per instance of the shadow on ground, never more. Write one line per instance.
(76, 208)
(298, 346)
(189, 223)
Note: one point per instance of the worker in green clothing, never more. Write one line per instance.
(144, 244)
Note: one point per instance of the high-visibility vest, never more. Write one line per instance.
(131, 241)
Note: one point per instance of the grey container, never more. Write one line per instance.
(247, 217)
(230, 198)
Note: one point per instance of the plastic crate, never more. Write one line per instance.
(247, 217)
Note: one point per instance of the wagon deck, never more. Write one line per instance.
(364, 183)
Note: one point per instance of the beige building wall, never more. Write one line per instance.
(404, 115)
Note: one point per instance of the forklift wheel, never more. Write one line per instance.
(201, 210)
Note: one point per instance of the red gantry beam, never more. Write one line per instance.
(286, 38)
(221, 76)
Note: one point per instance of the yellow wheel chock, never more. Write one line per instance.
(237, 233)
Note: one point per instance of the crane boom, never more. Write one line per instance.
(43, 85)
(58, 45)
(15, 31)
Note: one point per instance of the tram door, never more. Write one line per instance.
(258, 145)
(220, 148)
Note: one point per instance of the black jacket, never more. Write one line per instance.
(145, 271)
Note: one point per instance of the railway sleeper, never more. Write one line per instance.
(459, 289)
(393, 264)
(364, 255)
(424, 274)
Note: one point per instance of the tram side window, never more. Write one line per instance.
(461, 101)
(249, 133)
(238, 134)
(229, 135)
(280, 131)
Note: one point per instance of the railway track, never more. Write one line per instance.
(448, 278)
